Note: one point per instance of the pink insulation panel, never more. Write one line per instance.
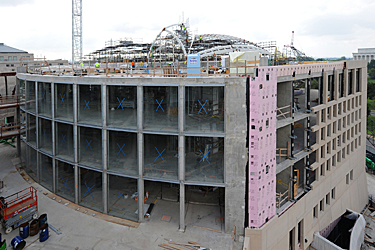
(262, 148)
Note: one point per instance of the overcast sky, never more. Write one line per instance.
(323, 28)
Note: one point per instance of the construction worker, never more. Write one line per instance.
(133, 64)
(200, 38)
(82, 64)
(97, 66)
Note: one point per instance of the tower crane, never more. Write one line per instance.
(76, 31)
(299, 55)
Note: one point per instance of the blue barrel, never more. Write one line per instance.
(42, 220)
(43, 235)
(18, 243)
(24, 230)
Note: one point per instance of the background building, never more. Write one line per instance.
(367, 54)
(10, 59)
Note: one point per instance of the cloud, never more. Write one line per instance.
(129, 28)
(337, 24)
(14, 3)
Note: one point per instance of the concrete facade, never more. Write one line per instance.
(340, 178)
(234, 137)
(11, 58)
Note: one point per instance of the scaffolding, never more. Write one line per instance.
(173, 43)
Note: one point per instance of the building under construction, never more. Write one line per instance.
(270, 154)
(174, 42)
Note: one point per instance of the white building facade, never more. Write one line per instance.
(367, 54)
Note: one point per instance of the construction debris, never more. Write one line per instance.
(210, 229)
(191, 245)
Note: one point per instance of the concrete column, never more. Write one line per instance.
(76, 143)
(54, 172)
(325, 87)
(317, 155)
(291, 185)
(104, 149)
(293, 111)
(336, 84)
(141, 187)
(295, 237)
(346, 82)
(308, 98)
(362, 79)
(181, 153)
(18, 118)
(354, 81)
(26, 119)
(320, 90)
(37, 132)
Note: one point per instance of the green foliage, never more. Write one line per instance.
(314, 84)
(370, 119)
(371, 125)
(371, 65)
(305, 58)
(371, 89)
(371, 73)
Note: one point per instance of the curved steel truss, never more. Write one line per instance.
(222, 50)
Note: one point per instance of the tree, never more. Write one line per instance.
(371, 90)
(371, 73)
(314, 84)
(371, 65)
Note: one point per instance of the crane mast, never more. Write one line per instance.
(76, 31)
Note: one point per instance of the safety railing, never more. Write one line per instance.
(9, 129)
(282, 198)
(151, 69)
(284, 112)
(9, 99)
(281, 152)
